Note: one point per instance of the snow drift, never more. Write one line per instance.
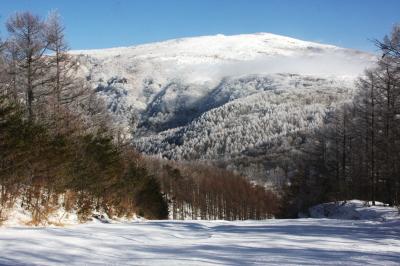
(355, 210)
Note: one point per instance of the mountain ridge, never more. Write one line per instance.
(219, 35)
(181, 91)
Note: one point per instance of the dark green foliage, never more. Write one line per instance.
(95, 162)
(142, 191)
(149, 200)
(90, 168)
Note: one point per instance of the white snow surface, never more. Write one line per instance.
(18, 216)
(272, 242)
(354, 210)
(372, 239)
(227, 56)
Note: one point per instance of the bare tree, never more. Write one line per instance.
(26, 37)
(64, 66)
(362, 141)
(2, 66)
(390, 46)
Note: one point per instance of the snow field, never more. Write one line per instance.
(272, 242)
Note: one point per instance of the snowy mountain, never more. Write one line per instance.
(238, 101)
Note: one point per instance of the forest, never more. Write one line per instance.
(356, 151)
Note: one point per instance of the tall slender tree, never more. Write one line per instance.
(26, 36)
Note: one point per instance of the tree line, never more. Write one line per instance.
(356, 153)
(198, 191)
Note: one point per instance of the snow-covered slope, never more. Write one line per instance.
(211, 92)
(273, 242)
(18, 216)
(146, 70)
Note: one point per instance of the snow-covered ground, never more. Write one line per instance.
(273, 242)
(355, 210)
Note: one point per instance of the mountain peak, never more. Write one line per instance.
(245, 45)
(243, 54)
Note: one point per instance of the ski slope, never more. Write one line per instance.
(273, 242)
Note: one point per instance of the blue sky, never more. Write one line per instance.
(111, 23)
